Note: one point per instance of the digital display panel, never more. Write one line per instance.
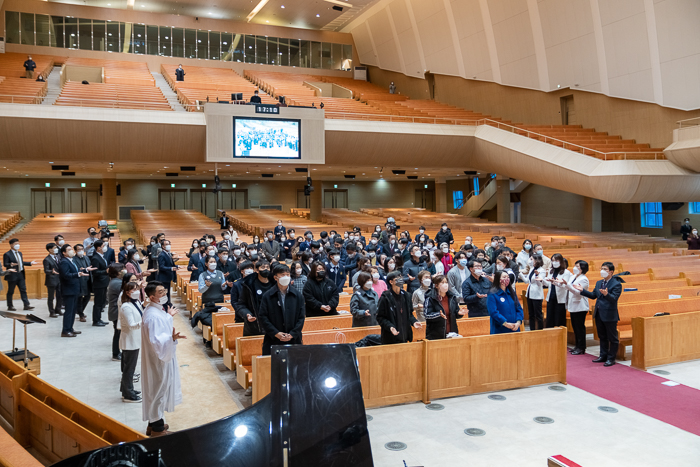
(266, 138)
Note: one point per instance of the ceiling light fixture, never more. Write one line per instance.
(256, 10)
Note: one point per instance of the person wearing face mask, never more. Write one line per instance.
(59, 241)
(298, 277)
(538, 250)
(421, 233)
(253, 287)
(160, 374)
(70, 276)
(286, 245)
(133, 266)
(228, 267)
(693, 240)
(418, 297)
(212, 284)
(271, 248)
(115, 272)
(256, 243)
(128, 244)
(100, 281)
(320, 292)
(524, 256)
(224, 221)
(306, 243)
(444, 236)
(194, 248)
(363, 304)
(281, 312)
(89, 243)
(577, 305)
(404, 251)
(195, 263)
(246, 267)
(226, 241)
(558, 278)
(152, 252)
(279, 231)
(458, 274)
(109, 252)
(389, 267)
(686, 229)
(378, 283)
(534, 294)
(52, 281)
(317, 252)
(251, 252)
(359, 237)
(447, 258)
(441, 310)
(391, 247)
(167, 267)
(412, 268)
(475, 289)
(395, 312)
(82, 261)
(492, 249)
(606, 293)
(503, 305)
(130, 315)
(468, 242)
(336, 269)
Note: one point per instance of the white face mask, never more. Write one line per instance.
(81, 253)
(336, 258)
(469, 255)
(445, 250)
(695, 232)
(375, 276)
(269, 237)
(137, 258)
(61, 242)
(71, 253)
(494, 244)
(477, 271)
(16, 246)
(211, 266)
(105, 248)
(499, 267)
(421, 231)
(55, 251)
(227, 237)
(426, 282)
(298, 272)
(237, 252)
(368, 285)
(282, 239)
(129, 247)
(444, 229)
(371, 254)
(577, 271)
(539, 252)
(391, 266)
(106, 245)
(444, 287)
(374, 241)
(603, 273)
(153, 243)
(135, 295)
(210, 253)
(555, 264)
(167, 247)
(163, 300)
(284, 281)
(248, 272)
(224, 258)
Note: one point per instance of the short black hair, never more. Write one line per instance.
(50, 246)
(473, 263)
(151, 288)
(314, 268)
(333, 252)
(280, 268)
(261, 263)
(583, 266)
(350, 247)
(65, 247)
(459, 255)
(98, 244)
(609, 265)
(247, 264)
(114, 269)
(13, 240)
(55, 239)
(393, 275)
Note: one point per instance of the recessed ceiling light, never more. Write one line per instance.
(282, 6)
(318, 16)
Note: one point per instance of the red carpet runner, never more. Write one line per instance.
(637, 390)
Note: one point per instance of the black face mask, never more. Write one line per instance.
(254, 256)
(93, 233)
(321, 275)
(265, 273)
(424, 259)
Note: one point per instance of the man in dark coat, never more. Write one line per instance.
(395, 312)
(100, 281)
(70, 276)
(252, 289)
(475, 290)
(606, 293)
(52, 281)
(167, 268)
(179, 74)
(444, 236)
(281, 312)
(14, 263)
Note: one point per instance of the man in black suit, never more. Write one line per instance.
(180, 74)
(166, 268)
(223, 221)
(281, 312)
(109, 254)
(100, 281)
(70, 277)
(52, 281)
(606, 294)
(255, 99)
(83, 262)
(14, 264)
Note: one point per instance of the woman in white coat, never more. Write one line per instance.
(578, 306)
(130, 314)
(557, 278)
(535, 291)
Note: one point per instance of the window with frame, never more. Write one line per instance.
(458, 199)
(693, 208)
(651, 215)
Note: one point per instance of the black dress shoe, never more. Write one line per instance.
(99, 323)
(59, 313)
(82, 319)
(609, 362)
(577, 352)
(53, 315)
(28, 308)
(77, 332)
(137, 392)
(600, 360)
(68, 334)
(11, 308)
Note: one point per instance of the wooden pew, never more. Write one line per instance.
(12, 454)
(660, 340)
(424, 371)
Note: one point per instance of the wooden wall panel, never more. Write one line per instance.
(660, 340)
(395, 373)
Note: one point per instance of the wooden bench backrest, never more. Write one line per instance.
(681, 305)
(218, 320)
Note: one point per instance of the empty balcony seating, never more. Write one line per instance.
(209, 84)
(363, 90)
(22, 91)
(119, 72)
(116, 96)
(12, 64)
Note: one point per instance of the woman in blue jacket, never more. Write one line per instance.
(503, 305)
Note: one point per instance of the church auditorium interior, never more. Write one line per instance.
(391, 233)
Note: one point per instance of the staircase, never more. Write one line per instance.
(54, 86)
(167, 91)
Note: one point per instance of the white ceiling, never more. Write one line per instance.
(289, 13)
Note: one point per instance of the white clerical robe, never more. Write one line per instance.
(160, 375)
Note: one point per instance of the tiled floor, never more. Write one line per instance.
(83, 367)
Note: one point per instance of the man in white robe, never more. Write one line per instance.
(160, 376)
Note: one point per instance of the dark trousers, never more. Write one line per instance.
(578, 323)
(83, 301)
(115, 339)
(54, 292)
(607, 334)
(556, 314)
(100, 301)
(129, 359)
(534, 309)
(22, 290)
(71, 301)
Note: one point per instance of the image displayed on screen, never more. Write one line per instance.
(271, 139)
